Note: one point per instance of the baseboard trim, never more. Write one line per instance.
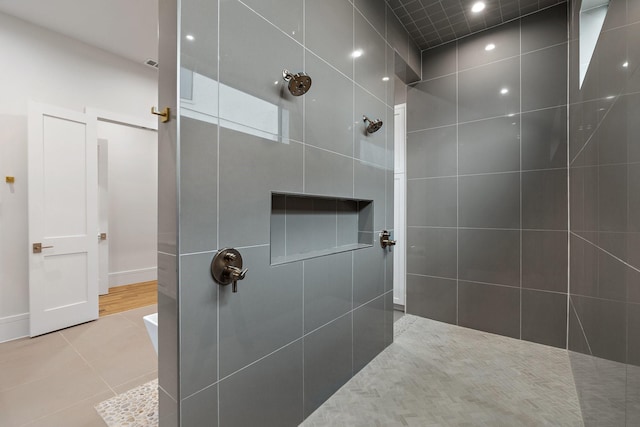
(120, 278)
(14, 327)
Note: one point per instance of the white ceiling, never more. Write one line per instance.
(128, 28)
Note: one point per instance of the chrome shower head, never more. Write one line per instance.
(299, 83)
(374, 125)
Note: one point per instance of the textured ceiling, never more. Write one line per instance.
(434, 22)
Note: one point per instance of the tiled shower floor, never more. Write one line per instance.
(442, 375)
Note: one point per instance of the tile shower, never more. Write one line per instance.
(487, 181)
(294, 183)
(504, 152)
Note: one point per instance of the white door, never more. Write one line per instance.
(400, 203)
(63, 218)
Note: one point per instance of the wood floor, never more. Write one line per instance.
(128, 297)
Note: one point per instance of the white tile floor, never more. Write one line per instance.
(56, 379)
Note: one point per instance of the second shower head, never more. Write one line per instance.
(299, 83)
(374, 125)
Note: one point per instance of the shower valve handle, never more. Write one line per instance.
(226, 268)
(236, 274)
(385, 240)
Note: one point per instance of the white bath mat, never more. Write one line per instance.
(137, 407)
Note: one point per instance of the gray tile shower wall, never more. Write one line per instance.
(294, 332)
(605, 238)
(487, 181)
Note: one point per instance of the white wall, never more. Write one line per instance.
(133, 202)
(47, 67)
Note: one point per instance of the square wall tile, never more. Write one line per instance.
(544, 318)
(489, 256)
(544, 78)
(612, 195)
(491, 145)
(583, 267)
(198, 324)
(604, 325)
(368, 274)
(545, 28)
(370, 147)
(544, 139)
(439, 61)
(329, 88)
(200, 409)
(433, 104)
(327, 173)
(432, 202)
(489, 308)
(490, 90)
(199, 18)
(248, 92)
(246, 219)
(327, 362)
(198, 186)
(271, 391)
(369, 184)
(489, 201)
(286, 15)
(368, 333)
(432, 298)
(472, 50)
(432, 251)
(544, 200)
(432, 153)
(333, 43)
(327, 289)
(545, 260)
(370, 67)
(264, 315)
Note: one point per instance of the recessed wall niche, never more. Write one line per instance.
(305, 226)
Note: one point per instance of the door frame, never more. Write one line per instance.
(103, 176)
(400, 205)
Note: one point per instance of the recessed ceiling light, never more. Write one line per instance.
(357, 53)
(489, 47)
(504, 91)
(189, 37)
(625, 64)
(385, 79)
(478, 7)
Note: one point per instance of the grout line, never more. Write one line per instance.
(457, 187)
(520, 155)
(60, 410)
(582, 329)
(351, 311)
(607, 252)
(568, 165)
(218, 235)
(431, 227)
